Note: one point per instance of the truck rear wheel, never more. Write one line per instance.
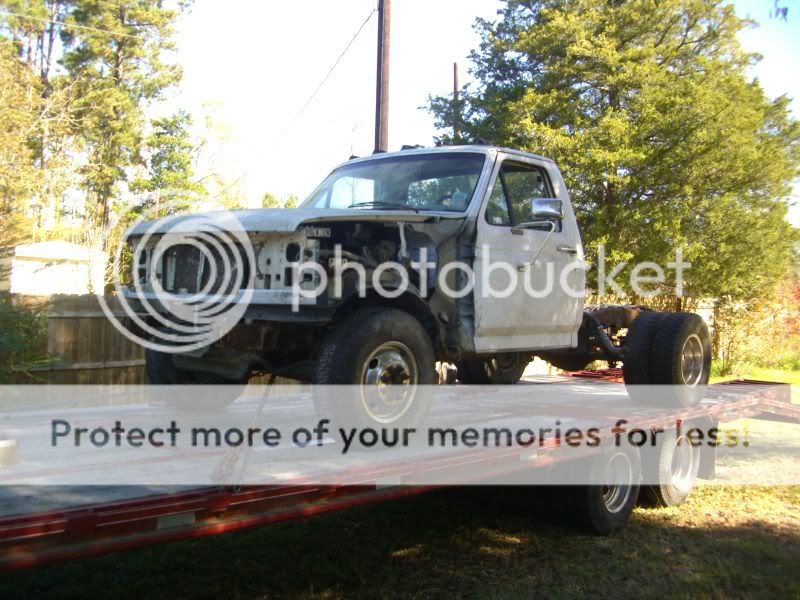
(568, 362)
(672, 350)
(389, 357)
(681, 358)
(639, 349)
(500, 369)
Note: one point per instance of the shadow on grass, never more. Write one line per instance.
(477, 542)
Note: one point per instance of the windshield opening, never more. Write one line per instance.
(431, 182)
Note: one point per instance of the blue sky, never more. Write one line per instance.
(253, 65)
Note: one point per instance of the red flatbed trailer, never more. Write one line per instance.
(40, 538)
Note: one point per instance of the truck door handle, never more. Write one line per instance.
(567, 249)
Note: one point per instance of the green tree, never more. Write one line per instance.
(115, 54)
(33, 27)
(170, 154)
(19, 108)
(21, 329)
(270, 200)
(33, 30)
(662, 138)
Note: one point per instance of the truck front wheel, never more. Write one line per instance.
(389, 356)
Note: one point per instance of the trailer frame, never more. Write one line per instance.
(45, 537)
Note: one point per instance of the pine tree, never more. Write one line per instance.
(118, 67)
(19, 105)
(170, 163)
(662, 138)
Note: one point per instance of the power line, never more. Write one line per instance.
(328, 74)
(63, 24)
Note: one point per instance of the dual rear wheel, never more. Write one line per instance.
(605, 505)
(671, 351)
(659, 476)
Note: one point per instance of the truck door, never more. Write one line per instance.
(545, 314)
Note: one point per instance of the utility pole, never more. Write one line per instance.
(382, 79)
(456, 111)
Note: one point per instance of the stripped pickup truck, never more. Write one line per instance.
(469, 255)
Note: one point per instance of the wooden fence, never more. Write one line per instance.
(83, 345)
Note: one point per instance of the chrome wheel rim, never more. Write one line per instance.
(617, 482)
(389, 377)
(692, 360)
(682, 465)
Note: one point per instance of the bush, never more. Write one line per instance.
(762, 332)
(789, 361)
(22, 331)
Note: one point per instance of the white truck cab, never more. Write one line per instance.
(510, 233)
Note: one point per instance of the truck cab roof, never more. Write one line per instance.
(486, 149)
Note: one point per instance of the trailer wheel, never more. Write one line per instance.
(670, 471)
(500, 369)
(389, 356)
(681, 358)
(606, 506)
(161, 370)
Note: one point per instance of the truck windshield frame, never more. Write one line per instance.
(443, 182)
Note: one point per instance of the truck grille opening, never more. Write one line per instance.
(186, 269)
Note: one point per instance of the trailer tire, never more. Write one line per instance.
(375, 345)
(670, 471)
(681, 358)
(602, 508)
(161, 370)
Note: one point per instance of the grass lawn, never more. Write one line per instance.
(767, 374)
(763, 374)
(481, 543)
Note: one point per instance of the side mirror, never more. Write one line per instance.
(546, 209)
